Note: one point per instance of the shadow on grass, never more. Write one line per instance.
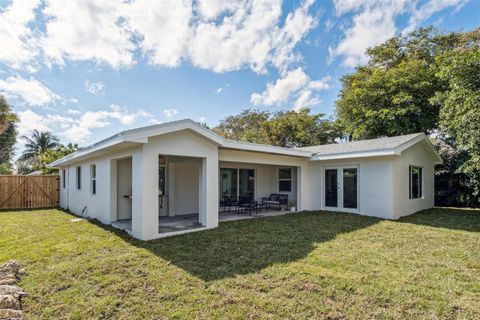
(449, 218)
(247, 246)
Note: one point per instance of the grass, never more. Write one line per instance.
(307, 265)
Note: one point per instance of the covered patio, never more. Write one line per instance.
(190, 222)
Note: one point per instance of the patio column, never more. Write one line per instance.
(208, 202)
(144, 195)
(302, 188)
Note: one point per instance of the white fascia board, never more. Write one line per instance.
(350, 155)
(106, 146)
(139, 135)
(186, 124)
(239, 145)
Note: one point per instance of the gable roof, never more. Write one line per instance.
(372, 147)
(363, 148)
(135, 137)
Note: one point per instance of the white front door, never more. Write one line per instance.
(341, 188)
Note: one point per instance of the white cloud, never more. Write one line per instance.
(17, 39)
(95, 88)
(81, 128)
(86, 30)
(30, 91)
(73, 111)
(218, 35)
(170, 112)
(163, 27)
(374, 22)
(281, 90)
(305, 100)
(321, 84)
(30, 121)
(425, 11)
(78, 126)
(295, 87)
(248, 34)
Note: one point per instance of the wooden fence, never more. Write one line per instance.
(25, 192)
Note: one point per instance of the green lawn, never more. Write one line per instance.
(317, 264)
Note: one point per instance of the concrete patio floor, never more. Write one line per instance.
(190, 221)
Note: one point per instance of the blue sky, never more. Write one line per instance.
(88, 69)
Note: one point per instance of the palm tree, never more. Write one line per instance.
(40, 142)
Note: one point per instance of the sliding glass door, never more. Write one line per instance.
(341, 188)
(235, 183)
(228, 183)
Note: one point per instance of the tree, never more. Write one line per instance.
(423, 82)
(51, 155)
(39, 143)
(299, 129)
(452, 186)
(460, 104)
(246, 126)
(8, 136)
(283, 128)
(392, 94)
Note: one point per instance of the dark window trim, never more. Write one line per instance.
(93, 179)
(79, 178)
(419, 194)
(284, 179)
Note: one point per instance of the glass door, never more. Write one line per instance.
(237, 183)
(341, 188)
(246, 183)
(350, 197)
(162, 187)
(331, 188)
(228, 183)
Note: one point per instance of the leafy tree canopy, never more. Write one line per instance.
(41, 149)
(392, 94)
(282, 128)
(460, 103)
(8, 136)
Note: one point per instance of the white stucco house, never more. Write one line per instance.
(181, 169)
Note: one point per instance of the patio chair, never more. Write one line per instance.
(249, 207)
(229, 202)
(242, 201)
(276, 200)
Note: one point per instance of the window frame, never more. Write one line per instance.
(284, 179)
(93, 179)
(419, 194)
(78, 171)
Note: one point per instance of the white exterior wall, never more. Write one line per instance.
(413, 156)
(145, 184)
(382, 181)
(375, 185)
(184, 184)
(99, 206)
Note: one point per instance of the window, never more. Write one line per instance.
(63, 179)
(93, 179)
(79, 178)
(285, 180)
(415, 182)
